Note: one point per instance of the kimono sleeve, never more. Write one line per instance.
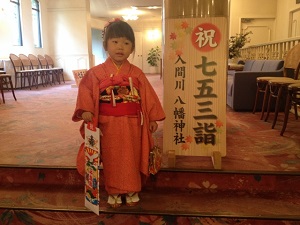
(150, 101)
(85, 101)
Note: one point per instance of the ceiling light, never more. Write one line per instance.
(131, 14)
(154, 7)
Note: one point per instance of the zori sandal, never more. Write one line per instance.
(132, 199)
(114, 201)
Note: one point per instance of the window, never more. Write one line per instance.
(16, 23)
(36, 25)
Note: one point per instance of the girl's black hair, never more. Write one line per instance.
(118, 29)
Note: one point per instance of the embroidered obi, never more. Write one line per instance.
(119, 97)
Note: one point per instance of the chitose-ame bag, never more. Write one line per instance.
(155, 159)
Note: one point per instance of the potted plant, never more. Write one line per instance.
(236, 43)
(154, 56)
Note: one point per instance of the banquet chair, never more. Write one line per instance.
(20, 73)
(36, 73)
(262, 83)
(27, 66)
(44, 65)
(59, 72)
(5, 80)
(293, 99)
(278, 88)
(43, 73)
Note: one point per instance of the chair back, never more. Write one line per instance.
(78, 75)
(49, 61)
(16, 62)
(43, 61)
(291, 62)
(34, 61)
(25, 61)
(297, 71)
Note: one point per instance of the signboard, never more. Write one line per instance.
(195, 70)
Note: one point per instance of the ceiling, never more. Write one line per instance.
(108, 9)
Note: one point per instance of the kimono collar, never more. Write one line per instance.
(117, 81)
(112, 68)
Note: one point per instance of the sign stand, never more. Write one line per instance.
(217, 160)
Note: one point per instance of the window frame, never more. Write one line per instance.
(16, 5)
(36, 23)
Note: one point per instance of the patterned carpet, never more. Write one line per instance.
(36, 130)
(190, 195)
(45, 218)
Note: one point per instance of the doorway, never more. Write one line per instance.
(98, 51)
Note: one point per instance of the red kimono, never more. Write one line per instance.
(126, 139)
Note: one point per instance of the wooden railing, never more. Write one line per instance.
(270, 50)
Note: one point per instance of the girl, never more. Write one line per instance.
(120, 99)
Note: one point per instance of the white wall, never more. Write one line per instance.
(5, 31)
(278, 9)
(66, 34)
(97, 23)
(66, 29)
(69, 34)
(250, 9)
(284, 8)
(6, 46)
(263, 13)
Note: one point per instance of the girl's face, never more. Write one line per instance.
(119, 49)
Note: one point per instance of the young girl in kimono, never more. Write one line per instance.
(117, 96)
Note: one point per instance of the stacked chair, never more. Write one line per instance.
(44, 73)
(293, 99)
(59, 72)
(280, 88)
(53, 74)
(35, 72)
(31, 70)
(21, 72)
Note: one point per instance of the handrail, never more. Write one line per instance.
(270, 50)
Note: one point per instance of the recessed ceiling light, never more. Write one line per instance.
(154, 7)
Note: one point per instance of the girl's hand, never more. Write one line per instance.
(153, 126)
(87, 116)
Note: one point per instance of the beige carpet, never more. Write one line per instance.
(36, 130)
